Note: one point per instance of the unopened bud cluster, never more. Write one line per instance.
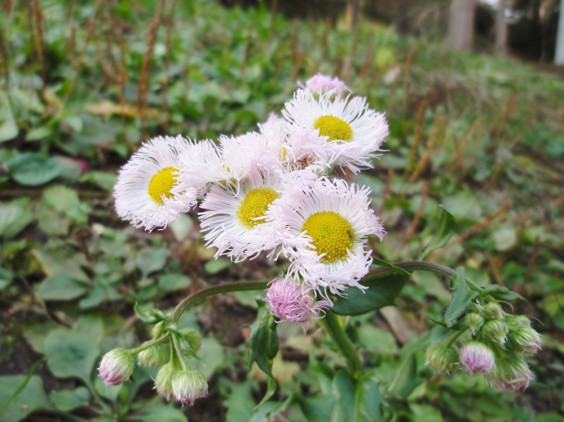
(175, 380)
(499, 345)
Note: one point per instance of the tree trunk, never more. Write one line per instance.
(461, 24)
(559, 54)
(500, 29)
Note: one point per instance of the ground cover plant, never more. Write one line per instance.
(479, 136)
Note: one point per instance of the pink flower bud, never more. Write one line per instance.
(510, 371)
(188, 385)
(163, 381)
(116, 366)
(477, 357)
(293, 303)
(320, 84)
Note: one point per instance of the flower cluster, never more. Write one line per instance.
(497, 348)
(273, 191)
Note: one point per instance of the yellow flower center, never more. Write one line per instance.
(334, 128)
(331, 234)
(254, 205)
(161, 184)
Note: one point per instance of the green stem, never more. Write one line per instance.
(210, 291)
(453, 337)
(424, 266)
(333, 327)
(179, 353)
(144, 346)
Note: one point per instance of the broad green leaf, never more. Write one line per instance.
(52, 222)
(462, 296)
(381, 263)
(162, 412)
(213, 356)
(91, 326)
(66, 201)
(216, 266)
(406, 379)
(60, 262)
(269, 410)
(344, 393)
(367, 400)
(66, 400)
(8, 125)
(36, 335)
(264, 339)
(318, 408)
(14, 217)
(442, 236)
(6, 277)
(504, 237)
(110, 392)
(151, 260)
(382, 291)
(103, 180)
(70, 354)
(32, 169)
(31, 397)
(38, 133)
(240, 403)
(173, 282)
(60, 287)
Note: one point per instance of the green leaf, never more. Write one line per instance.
(264, 339)
(239, 403)
(60, 287)
(406, 379)
(216, 266)
(70, 354)
(103, 180)
(501, 293)
(148, 315)
(382, 291)
(66, 400)
(8, 125)
(367, 400)
(461, 298)
(91, 326)
(32, 397)
(6, 277)
(444, 232)
(173, 282)
(32, 169)
(389, 265)
(14, 217)
(152, 260)
(162, 412)
(66, 201)
(60, 262)
(318, 408)
(344, 392)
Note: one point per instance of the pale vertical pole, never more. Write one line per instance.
(559, 56)
(500, 29)
(461, 24)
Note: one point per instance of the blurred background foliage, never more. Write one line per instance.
(84, 83)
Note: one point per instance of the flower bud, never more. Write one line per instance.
(163, 381)
(474, 322)
(158, 330)
(494, 331)
(518, 321)
(153, 356)
(477, 357)
(493, 311)
(188, 385)
(524, 339)
(291, 302)
(320, 84)
(116, 366)
(193, 338)
(441, 358)
(510, 371)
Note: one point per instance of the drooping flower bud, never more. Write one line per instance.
(188, 385)
(477, 357)
(524, 339)
(510, 371)
(320, 84)
(193, 338)
(517, 321)
(116, 366)
(163, 381)
(493, 311)
(494, 331)
(441, 358)
(293, 303)
(154, 356)
(474, 322)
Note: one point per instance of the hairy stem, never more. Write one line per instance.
(333, 326)
(210, 291)
(136, 350)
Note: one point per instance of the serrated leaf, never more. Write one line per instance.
(70, 354)
(462, 296)
(32, 169)
(501, 293)
(442, 236)
(382, 291)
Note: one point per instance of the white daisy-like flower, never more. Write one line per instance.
(326, 224)
(241, 153)
(234, 214)
(353, 131)
(143, 193)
